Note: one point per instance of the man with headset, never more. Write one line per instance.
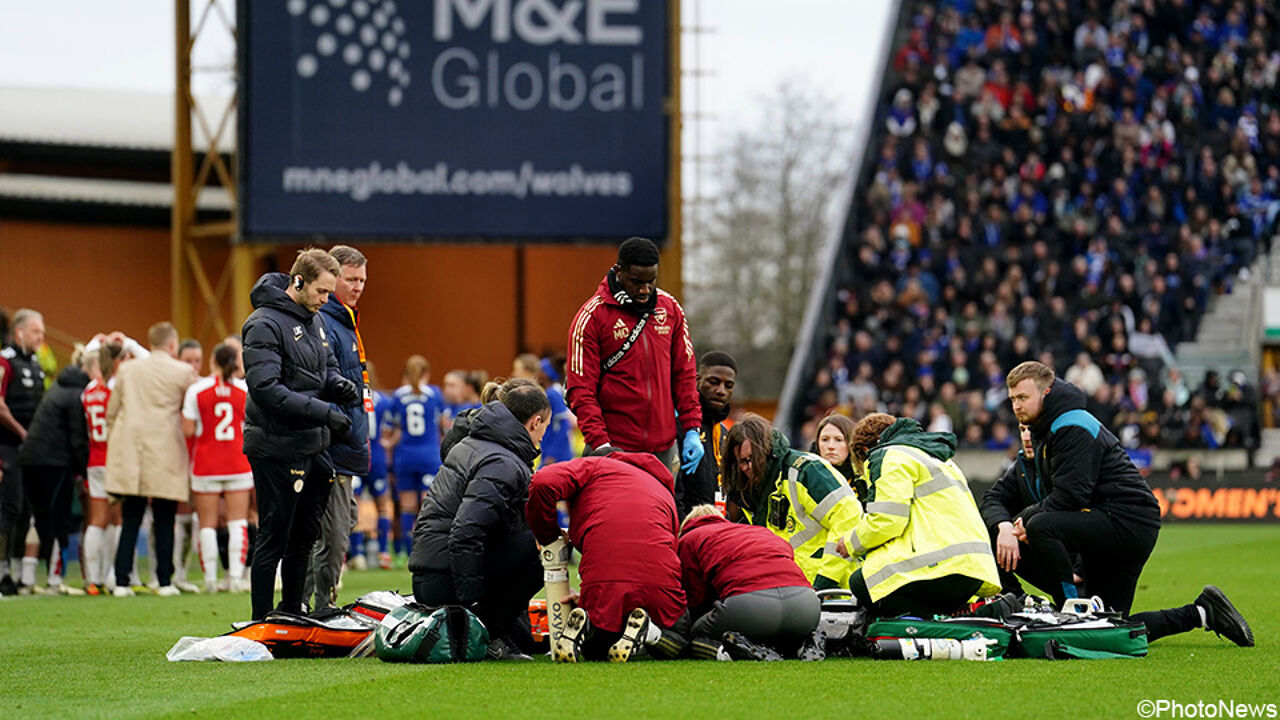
(293, 377)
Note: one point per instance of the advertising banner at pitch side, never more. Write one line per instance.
(453, 118)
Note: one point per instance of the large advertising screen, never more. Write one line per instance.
(454, 118)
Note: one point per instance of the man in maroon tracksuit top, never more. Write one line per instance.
(622, 518)
(631, 367)
(743, 579)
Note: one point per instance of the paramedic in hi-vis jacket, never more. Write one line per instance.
(920, 538)
(797, 495)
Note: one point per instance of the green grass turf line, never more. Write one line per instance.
(64, 657)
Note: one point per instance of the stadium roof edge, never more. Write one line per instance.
(87, 117)
(104, 192)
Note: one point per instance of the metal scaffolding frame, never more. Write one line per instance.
(189, 236)
(189, 269)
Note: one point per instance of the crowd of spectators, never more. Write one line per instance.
(1068, 181)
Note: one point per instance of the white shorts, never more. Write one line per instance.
(97, 482)
(216, 484)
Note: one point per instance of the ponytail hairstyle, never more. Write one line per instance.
(415, 369)
(522, 396)
(109, 353)
(224, 358)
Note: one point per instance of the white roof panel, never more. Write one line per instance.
(104, 192)
(102, 118)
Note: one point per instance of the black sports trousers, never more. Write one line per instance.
(291, 501)
(1112, 553)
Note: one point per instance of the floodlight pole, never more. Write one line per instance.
(673, 252)
(181, 161)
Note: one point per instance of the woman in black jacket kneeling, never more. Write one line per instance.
(471, 545)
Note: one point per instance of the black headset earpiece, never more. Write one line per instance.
(297, 282)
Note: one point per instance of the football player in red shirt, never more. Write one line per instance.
(98, 550)
(213, 414)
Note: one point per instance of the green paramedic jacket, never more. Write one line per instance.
(920, 520)
(819, 506)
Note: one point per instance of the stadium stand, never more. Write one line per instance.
(1056, 180)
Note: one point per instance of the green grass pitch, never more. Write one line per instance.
(85, 657)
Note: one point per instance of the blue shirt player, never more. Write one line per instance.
(375, 485)
(417, 409)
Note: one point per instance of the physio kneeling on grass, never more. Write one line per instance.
(920, 538)
(1075, 492)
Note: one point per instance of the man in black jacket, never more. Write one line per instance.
(717, 375)
(471, 544)
(1078, 494)
(21, 387)
(292, 377)
(349, 452)
(54, 455)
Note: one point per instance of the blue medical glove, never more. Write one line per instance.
(691, 452)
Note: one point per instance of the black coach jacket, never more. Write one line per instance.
(58, 435)
(479, 495)
(290, 370)
(1077, 464)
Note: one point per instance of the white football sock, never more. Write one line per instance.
(209, 554)
(237, 547)
(55, 565)
(94, 537)
(181, 546)
(111, 541)
(28, 575)
(1204, 617)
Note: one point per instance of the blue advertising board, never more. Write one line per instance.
(453, 118)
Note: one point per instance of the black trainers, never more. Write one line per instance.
(633, 636)
(503, 649)
(8, 586)
(999, 607)
(814, 647)
(1222, 617)
(738, 647)
(568, 647)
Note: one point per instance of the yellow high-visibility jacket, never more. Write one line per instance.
(806, 502)
(920, 521)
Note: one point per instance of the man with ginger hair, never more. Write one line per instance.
(1077, 493)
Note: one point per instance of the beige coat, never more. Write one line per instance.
(146, 452)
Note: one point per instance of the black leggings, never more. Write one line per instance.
(49, 491)
(939, 596)
(162, 514)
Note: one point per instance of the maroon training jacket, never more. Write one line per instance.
(622, 517)
(720, 559)
(634, 405)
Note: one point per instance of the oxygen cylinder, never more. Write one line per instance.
(555, 576)
(931, 649)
